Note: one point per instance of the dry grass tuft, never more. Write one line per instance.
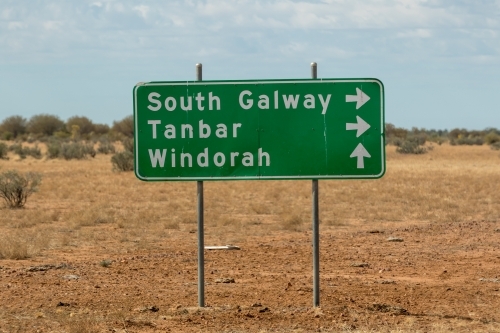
(292, 222)
(23, 244)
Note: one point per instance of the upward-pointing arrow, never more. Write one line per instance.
(360, 98)
(360, 152)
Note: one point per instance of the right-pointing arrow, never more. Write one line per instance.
(360, 152)
(361, 126)
(360, 98)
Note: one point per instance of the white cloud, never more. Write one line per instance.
(142, 10)
(415, 33)
(52, 25)
(15, 25)
(354, 27)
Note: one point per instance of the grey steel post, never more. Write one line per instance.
(201, 233)
(315, 220)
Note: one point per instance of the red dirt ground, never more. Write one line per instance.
(439, 278)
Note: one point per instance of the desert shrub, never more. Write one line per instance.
(17, 148)
(123, 161)
(492, 138)
(413, 145)
(23, 152)
(124, 126)
(84, 124)
(76, 150)
(3, 151)
(469, 141)
(12, 127)
(61, 134)
(128, 144)
(292, 222)
(15, 188)
(101, 129)
(436, 138)
(7, 136)
(495, 146)
(458, 133)
(33, 152)
(394, 134)
(106, 147)
(53, 149)
(44, 124)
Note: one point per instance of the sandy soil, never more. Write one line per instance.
(381, 276)
(436, 277)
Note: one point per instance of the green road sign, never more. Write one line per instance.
(265, 129)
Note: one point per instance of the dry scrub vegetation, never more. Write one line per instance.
(84, 207)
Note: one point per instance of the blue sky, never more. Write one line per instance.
(439, 60)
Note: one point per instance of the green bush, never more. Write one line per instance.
(409, 147)
(53, 149)
(15, 188)
(128, 144)
(84, 124)
(106, 148)
(492, 138)
(412, 145)
(23, 152)
(33, 152)
(123, 161)
(17, 148)
(3, 151)
(7, 136)
(124, 126)
(76, 150)
(467, 141)
(12, 127)
(44, 124)
(101, 129)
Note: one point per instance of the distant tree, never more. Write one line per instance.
(15, 125)
(457, 133)
(393, 131)
(44, 124)
(101, 129)
(124, 126)
(84, 124)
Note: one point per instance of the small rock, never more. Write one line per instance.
(256, 305)
(388, 308)
(489, 280)
(385, 281)
(360, 264)
(266, 309)
(225, 280)
(63, 304)
(41, 268)
(394, 239)
(71, 277)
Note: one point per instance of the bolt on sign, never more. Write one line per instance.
(263, 129)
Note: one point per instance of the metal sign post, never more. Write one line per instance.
(201, 230)
(315, 220)
(259, 129)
